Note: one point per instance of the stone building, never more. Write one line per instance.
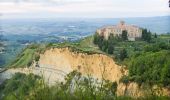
(134, 32)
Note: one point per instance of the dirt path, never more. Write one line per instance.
(50, 75)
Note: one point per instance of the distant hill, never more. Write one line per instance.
(81, 26)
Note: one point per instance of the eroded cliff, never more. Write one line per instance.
(97, 65)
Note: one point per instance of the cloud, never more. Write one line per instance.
(84, 8)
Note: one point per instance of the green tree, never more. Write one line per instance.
(96, 39)
(110, 48)
(29, 63)
(155, 35)
(123, 54)
(104, 45)
(146, 36)
(124, 35)
(149, 35)
(37, 57)
(111, 44)
(151, 67)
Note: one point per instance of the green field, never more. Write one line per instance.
(85, 45)
(24, 59)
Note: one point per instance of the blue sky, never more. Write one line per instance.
(83, 8)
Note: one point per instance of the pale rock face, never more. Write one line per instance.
(95, 64)
(131, 89)
(65, 60)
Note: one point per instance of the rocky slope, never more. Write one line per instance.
(97, 65)
(55, 63)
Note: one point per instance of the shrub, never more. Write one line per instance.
(37, 57)
(151, 67)
(125, 79)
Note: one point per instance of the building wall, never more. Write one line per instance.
(133, 31)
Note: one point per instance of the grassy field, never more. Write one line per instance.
(165, 36)
(85, 45)
(25, 58)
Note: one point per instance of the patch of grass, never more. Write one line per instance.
(25, 58)
(83, 46)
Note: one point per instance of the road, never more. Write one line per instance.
(50, 75)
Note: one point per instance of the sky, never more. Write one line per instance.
(83, 8)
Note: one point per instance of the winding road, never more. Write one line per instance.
(51, 75)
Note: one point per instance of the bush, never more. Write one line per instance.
(146, 35)
(18, 87)
(151, 67)
(29, 63)
(123, 54)
(37, 57)
(105, 45)
(124, 35)
(125, 79)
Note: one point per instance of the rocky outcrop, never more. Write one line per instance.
(97, 65)
(56, 63)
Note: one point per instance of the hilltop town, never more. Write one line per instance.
(133, 32)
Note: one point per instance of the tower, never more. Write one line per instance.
(122, 23)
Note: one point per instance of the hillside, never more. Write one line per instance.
(62, 62)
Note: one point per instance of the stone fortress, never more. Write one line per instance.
(133, 32)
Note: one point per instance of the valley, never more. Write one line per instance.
(71, 62)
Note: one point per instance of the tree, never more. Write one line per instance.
(124, 35)
(100, 41)
(146, 36)
(37, 57)
(29, 63)
(155, 35)
(96, 39)
(110, 48)
(111, 44)
(144, 33)
(123, 54)
(104, 45)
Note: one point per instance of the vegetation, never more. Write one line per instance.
(32, 87)
(125, 35)
(150, 67)
(76, 87)
(105, 45)
(146, 35)
(148, 60)
(19, 87)
(25, 59)
(123, 54)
